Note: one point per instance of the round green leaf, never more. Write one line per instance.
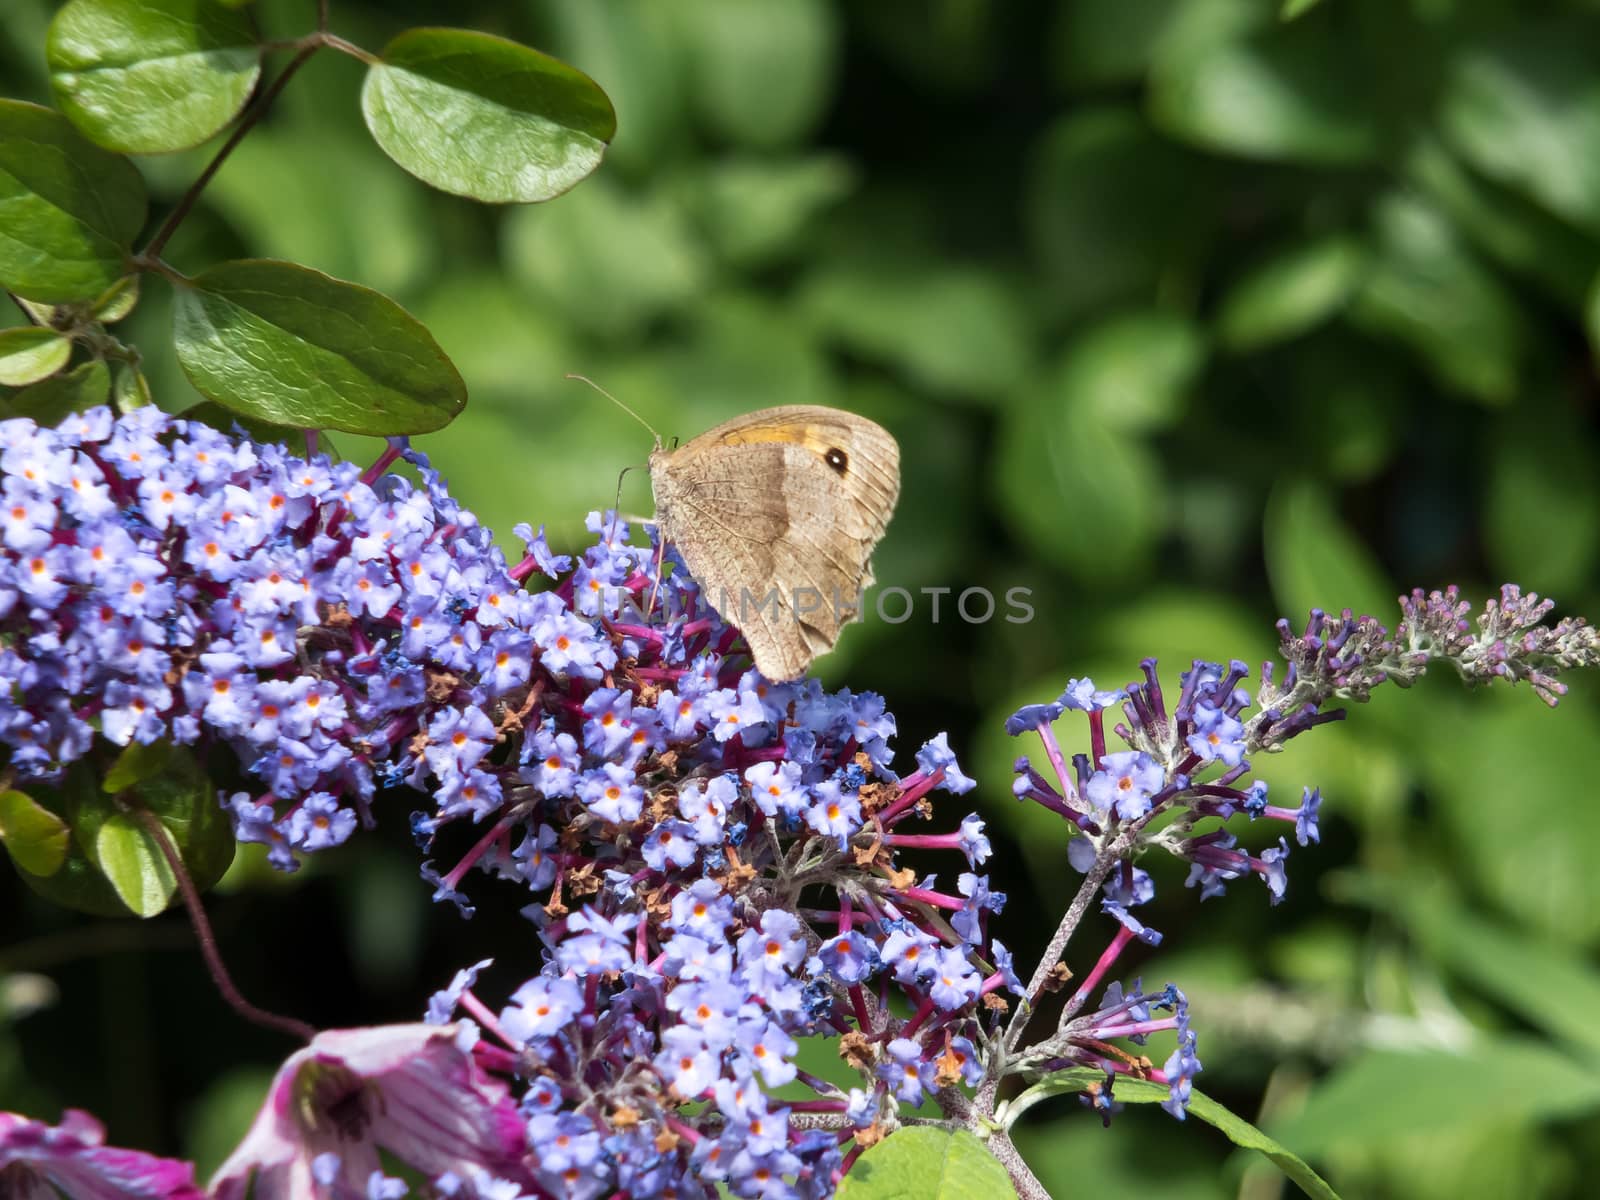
(135, 765)
(30, 353)
(51, 401)
(292, 346)
(929, 1163)
(484, 117)
(171, 786)
(70, 209)
(1291, 293)
(112, 866)
(151, 76)
(34, 836)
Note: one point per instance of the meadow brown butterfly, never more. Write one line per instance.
(776, 514)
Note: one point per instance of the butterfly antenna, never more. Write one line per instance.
(619, 404)
(617, 507)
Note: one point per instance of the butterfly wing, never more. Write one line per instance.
(776, 515)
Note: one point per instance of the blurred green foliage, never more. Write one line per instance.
(1187, 314)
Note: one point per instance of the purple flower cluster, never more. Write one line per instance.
(710, 860)
(161, 580)
(1190, 762)
(346, 631)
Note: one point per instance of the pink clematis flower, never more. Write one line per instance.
(45, 1162)
(413, 1091)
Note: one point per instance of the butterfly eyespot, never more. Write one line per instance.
(837, 459)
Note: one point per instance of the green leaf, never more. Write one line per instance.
(292, 346)
(136, 764)
(755, 210)
(1133, 373)
(1099, 42)
(1297, 8)
(151, 76)
(29, 353)
(1282, 95)
(1239, 1131)
(1553, 987)
(35, 837)
(1591, 317)
(112, 866)
(69, 211)
(1313, 559)
(1291, 292)
(633, 49)
(1524, 109)
(1041, 487)
(117, 301)
(480, 116)
(1505, 224)
(610, 261)
(928, 1163)
(225, 420)
(955, 330)
(1542, 511)
(760, 74)
(52, 400)
(1425, 289)
(132, 862)
(1498, 1080)
(1501, 743)
(1103, 228)
(179, 794)
(130, 390)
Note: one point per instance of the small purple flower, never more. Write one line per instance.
(541, 1008)
(777, 789)
(903, 1071)
(442, 1004)
(849, 957)
(319, 823)
(1032, 716)
(1125, 781)
(1082, 695)
(1217, 737)
(611, 793)
(936, 755)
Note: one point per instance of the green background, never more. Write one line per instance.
(1187, 314)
